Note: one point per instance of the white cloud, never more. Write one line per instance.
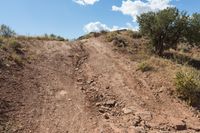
(137, 7)
(86, 2)
(95, 27)
(98, 26)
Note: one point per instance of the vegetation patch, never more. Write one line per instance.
(168, 27)
(144, 66)
(133, 34)
(13, 52)
(187, 83)
(110, 36)
(120, 42)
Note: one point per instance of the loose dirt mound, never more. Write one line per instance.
(86, 87)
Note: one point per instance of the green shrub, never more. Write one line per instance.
(6, 31)
(51, 37)
(59, 38)
(188, 86)
(144, 67)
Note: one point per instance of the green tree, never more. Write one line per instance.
(193, 29)
(165, 28)
(6, 31)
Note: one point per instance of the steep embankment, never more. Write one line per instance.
(85, 86)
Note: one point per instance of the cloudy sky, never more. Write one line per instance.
(73, 18)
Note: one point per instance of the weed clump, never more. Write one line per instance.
(144, 67)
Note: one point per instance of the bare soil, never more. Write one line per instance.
(86, 87)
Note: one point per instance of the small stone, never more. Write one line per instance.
(106, 116)
(129, 110)
(82, 88)
(76, 69)
(79, 80)
(101, 110)
(7, 65)
(138, 130)
(110, 103)
(145, 115)
(161, 89)
(136, 120)
(90, 81)
(69, 99)
(180, 125)
(107, 87)
(98, 104)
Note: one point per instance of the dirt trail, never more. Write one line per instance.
(86, 87)
(138, 94)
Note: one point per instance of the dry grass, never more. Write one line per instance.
(13, 52)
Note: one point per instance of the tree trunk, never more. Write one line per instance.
(160, 47)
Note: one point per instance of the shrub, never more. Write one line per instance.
(110, 36)
(6, 31)
(14, 45)
(50, 37)
(188, 86)
(1, 41)
(134, 34)
(144, 67)
(17, 59)
(120, 42)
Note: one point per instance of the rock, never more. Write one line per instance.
(106, 116)
(107, 87)
(110, 103)
(98, 104)
(136, 120)
(129, 110)
(137, 129)
(161, 89)
(90, 81)
(7, 65)
(180, 125)
(145, 115)
(79, 80)
(103, 109)
(69, 99)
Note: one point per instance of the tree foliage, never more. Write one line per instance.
(193, 29)
(165, 28)
(6, 31)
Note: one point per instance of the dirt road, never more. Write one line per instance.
(86, 87)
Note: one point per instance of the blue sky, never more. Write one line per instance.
(71, 19)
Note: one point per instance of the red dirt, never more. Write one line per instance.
(86, 87)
